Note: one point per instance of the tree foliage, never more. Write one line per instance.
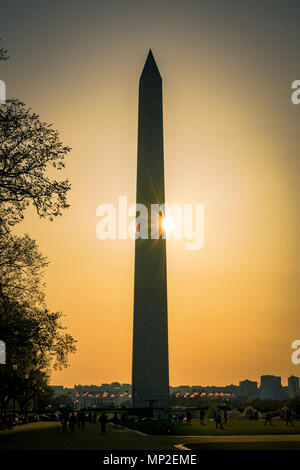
(28, 147)
(21, 269)
(34, 339)
(30, 152)
(3, 54)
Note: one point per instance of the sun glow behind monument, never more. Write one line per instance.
(168, 224)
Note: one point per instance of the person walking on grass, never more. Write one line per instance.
(268, 418)
(225, 417)
(218, 419)
(82, 420)
(72, 422)
(188, 417)
(64, 422)
(78, 419)
(103, 420)
(289, 417)
(201, 416)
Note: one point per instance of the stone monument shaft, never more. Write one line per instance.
(150, 365)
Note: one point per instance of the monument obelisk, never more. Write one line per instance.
(150, 362)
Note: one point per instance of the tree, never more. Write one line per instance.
(265, 405)
(34, 336)
(64, 399)
(28, 147)
(21, 269)
(3, 54)
(212, 411)
(34, 339)
(294, 404)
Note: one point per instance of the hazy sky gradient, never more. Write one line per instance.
(231, 143)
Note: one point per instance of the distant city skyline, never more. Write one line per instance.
(284, 382)
(117, 394)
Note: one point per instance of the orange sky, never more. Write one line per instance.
(231, 143)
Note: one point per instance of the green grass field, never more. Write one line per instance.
(237, 427)
(49, 436)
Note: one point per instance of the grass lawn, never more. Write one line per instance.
(237, 427)
(41, 435)
(49, 436)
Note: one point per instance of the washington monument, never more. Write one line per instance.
(150, 362)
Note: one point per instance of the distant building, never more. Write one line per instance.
(293, 386)
(270, 387)
(184, 388)
(248, 389)
(285, 392)
(58, 390)
(115, 385)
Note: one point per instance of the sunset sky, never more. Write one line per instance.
(231, 143)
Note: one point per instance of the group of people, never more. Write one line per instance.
(285, 414)
(80, 418)
(180, 418)
(218, 419)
